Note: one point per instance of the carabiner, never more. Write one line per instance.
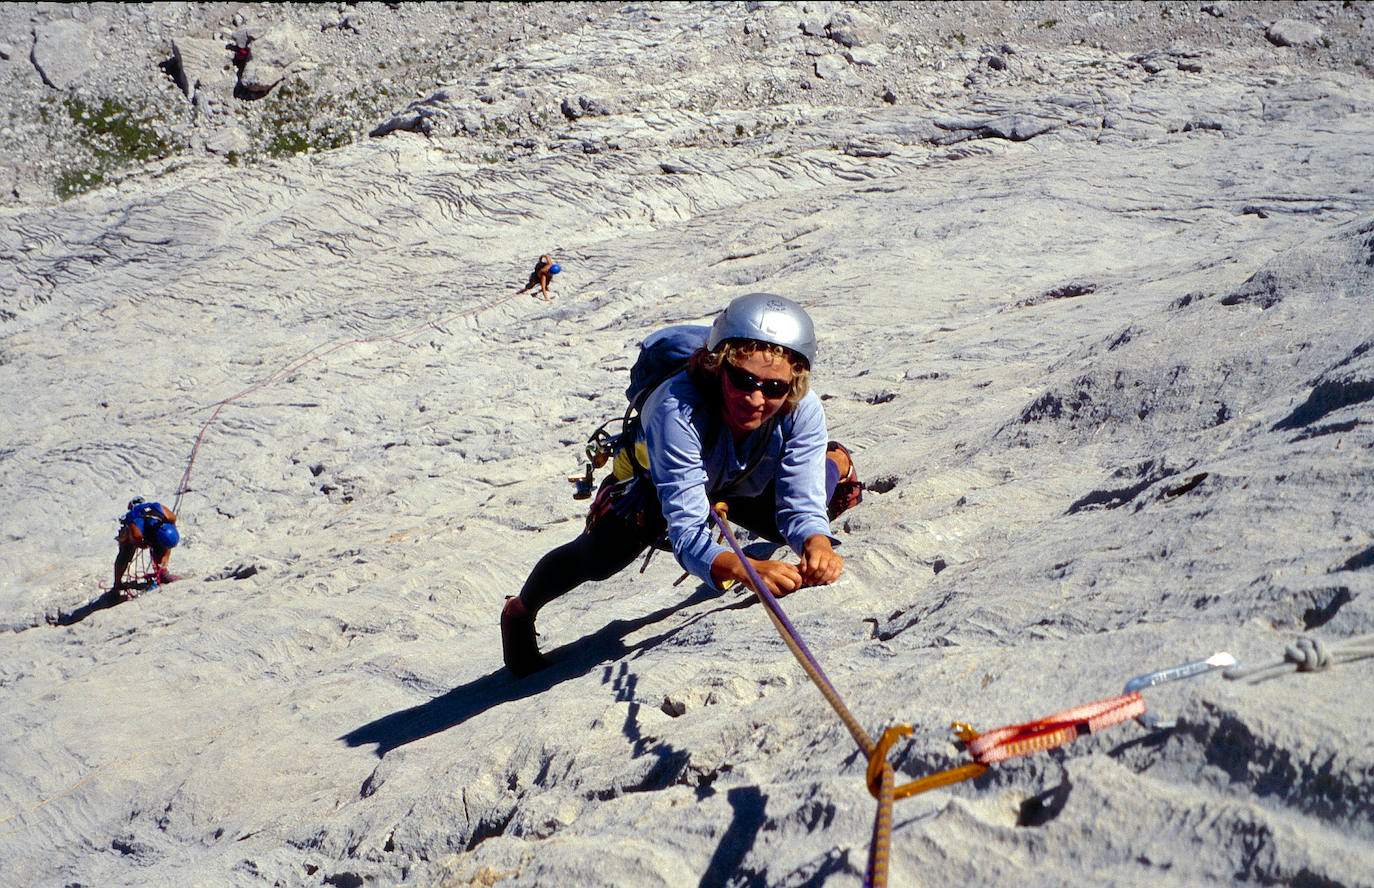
(1150, 721)
(949, 776)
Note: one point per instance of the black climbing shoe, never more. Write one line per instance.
(518, 644)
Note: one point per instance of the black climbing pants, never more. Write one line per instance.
(613, 541)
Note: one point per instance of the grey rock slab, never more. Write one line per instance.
(226, 139)
(1292, 32)
(833, 66)
(271, 56)
(852, 28)
(866, 54)
(1109, 421)
(204, 65)
(64, 52)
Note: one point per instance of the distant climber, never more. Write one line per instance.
(544, 270)
(150, 526)
(739, 425)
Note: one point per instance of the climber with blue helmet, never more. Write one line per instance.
(150, 526)
(738, 425)
(544, 270)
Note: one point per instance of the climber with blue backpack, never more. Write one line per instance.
(718, 414)
(544, 270)
(150, 526)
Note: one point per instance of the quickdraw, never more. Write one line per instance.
(600, 448)
(985, 749)
(1001, 744)
(1008, 742)
(933, 781)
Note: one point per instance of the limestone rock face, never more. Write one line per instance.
(230, 138)
(835, 67)
(64, 52)
(271, 56)
(851, 28)
(206, 65)
(1291, 32)
(1096, 326)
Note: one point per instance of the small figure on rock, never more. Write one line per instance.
(544, 270)
(737, 424)
(150, 526)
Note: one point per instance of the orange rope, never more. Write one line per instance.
(880, 848)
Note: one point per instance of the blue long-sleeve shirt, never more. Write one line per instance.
(692, 456)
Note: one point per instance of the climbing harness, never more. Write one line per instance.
(661, 356)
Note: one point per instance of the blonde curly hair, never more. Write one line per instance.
(705, 366)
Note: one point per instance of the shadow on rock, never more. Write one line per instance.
(747, 803)
(108, 600)
(1040, 809)
(572, 660)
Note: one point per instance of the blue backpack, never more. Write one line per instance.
(662, 355)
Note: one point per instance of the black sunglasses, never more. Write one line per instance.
(747, 382)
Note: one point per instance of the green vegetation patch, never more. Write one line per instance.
(116, 134)
(70, 183)
(295, 121)
(115, 138)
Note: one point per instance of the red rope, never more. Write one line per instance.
(182, 488)
(140, 570)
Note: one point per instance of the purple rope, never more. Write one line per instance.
(794, 641)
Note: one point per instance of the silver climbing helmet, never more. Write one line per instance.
(765, 317)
